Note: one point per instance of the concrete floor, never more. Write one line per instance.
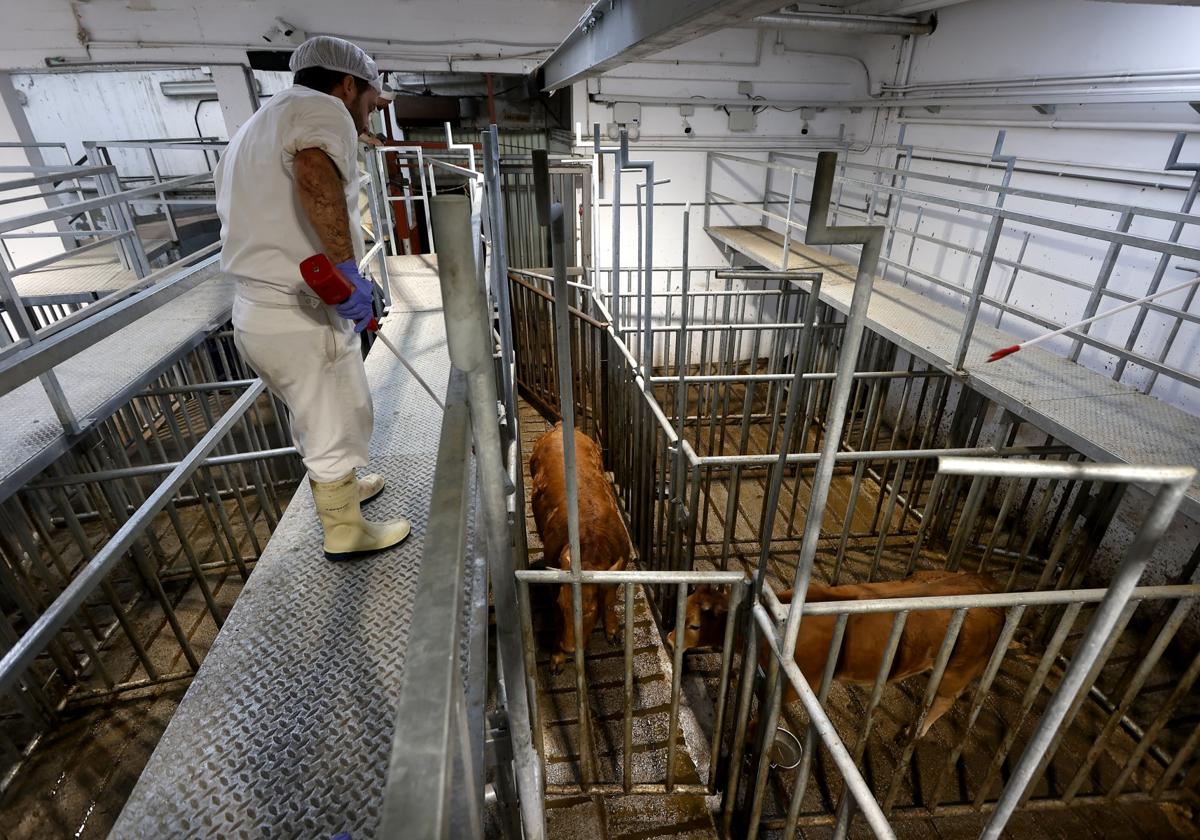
(611, 817)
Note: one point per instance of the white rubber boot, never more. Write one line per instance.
(369, 487)
(347, 535)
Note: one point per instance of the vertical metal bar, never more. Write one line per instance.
(552, 214)
(676, 680)
(845, 807)
(1012, 279)
(736, 596)
(977, 288)
(1182, 687)
(1131, 688)
(1181, 758)
(1103, 623)
(627, 728)
(168, 213)
(1169, 341)
(810, 736)
(787, 228)
(1011, 622)
(741, 718)
(1101, 285)
(935, 681)
(871, 239)
(469, 338)
(763, 219)
(1160, 269)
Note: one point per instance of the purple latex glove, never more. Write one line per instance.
(359, 307)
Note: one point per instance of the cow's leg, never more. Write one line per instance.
(954, 681)
(612, 621)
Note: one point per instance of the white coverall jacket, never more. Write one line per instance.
(307, 354)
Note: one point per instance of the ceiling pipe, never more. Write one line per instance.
(1062, 125)
(845, 24)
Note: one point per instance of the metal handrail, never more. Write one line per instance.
(427, 745)
(21, 362)
(986, 256)
(1132, 240)
(125, 196)
(23, 652)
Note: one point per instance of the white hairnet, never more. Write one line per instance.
(336, 54)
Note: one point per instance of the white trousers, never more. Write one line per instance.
(311, 359)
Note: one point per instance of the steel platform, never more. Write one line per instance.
(103, 377)
(87, 276)
(287, 727)
(75, 279)
(1103, 419)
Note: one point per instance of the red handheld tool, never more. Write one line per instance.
(331, 286)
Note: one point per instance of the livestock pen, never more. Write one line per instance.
(733, 403)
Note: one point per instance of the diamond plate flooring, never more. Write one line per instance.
(286, 729)
(1103, 419)
(96, 271)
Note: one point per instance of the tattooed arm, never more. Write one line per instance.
(319, 188)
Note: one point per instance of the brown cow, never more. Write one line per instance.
(603, 540)
(866, 634)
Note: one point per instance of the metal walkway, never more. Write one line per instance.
(82, 278)
(74, 279)
(1103, 419)
(286, 730)
(97, 381)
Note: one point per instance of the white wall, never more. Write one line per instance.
(1005, 38)
(800, 66)
(493, 35)
(985, 39)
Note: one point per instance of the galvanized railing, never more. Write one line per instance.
(177, 491)
(809, 413)
(725, 425)
(144, 162)
(436, 778)
(890, 197)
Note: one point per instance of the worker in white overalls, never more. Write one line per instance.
(287, 188)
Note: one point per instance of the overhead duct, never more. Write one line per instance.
(845, 24)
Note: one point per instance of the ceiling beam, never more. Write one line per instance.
(612, 33)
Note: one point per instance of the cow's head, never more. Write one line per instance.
(707, 613)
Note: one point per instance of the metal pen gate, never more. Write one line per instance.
(726, 424)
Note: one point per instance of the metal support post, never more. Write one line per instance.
(647, 166)
(986, 256)
(766, 202)
(1106, 269)
(168, 213)
(551, 214)
(818, 232)
(490, 140)
(18, 315)
(1175, 482)
(1173, 165)
(468, 335)
(787, 227)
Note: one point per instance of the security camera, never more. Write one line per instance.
(687, 129)
(281, 32)
(804, 127)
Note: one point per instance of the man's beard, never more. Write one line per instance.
(360, 125)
